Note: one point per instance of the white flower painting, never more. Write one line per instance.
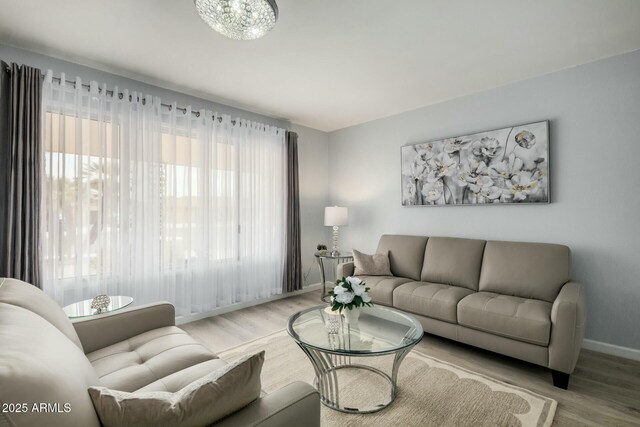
(509, 165)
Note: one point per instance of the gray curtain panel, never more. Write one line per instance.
(20, 181)
(292, 280)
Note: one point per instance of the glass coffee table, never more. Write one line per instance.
(337, 350)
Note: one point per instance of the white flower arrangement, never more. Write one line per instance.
(349, 293)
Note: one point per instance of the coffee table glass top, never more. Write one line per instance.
(83, 308)
(379, 330)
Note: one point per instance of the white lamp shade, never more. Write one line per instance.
(336, 215)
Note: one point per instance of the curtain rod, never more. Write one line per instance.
(121, 95)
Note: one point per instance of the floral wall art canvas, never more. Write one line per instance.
(509, 165)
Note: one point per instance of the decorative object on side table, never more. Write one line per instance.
(322, 249)
(97, 305)
(335, 216)
(349, 294)
(100, 303)
(509, 165)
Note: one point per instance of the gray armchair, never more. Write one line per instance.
(44, 357)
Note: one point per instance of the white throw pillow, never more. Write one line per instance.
(208, 399)
(371, 265)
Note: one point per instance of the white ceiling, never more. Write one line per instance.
(329, 64)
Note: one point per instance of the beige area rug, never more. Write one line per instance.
(431, 392)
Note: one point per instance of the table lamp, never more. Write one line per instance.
(335, 216)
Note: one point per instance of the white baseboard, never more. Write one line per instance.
(181, 320)
(612, 349)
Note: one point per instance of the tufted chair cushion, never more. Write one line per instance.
(146, 359)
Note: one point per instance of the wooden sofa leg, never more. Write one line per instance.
(560, 379)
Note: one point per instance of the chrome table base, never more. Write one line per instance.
(327, 367)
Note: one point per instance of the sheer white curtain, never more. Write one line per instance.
(157, 203)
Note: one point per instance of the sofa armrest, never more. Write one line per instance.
(345, 269)
(96, 332)
(294, 405)
(568, 319)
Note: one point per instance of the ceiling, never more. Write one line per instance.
(329, 64)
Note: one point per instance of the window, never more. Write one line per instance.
(84, 177)
(150, 202)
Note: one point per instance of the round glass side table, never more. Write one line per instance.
(342, 257)
(83, 308)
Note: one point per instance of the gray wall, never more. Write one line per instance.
(594, 113)
(313, 153)
(595, 146)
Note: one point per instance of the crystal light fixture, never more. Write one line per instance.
(239, 19)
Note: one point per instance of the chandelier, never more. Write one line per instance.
(239, 19)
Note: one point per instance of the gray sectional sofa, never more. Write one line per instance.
(512, 298)
(46, 358)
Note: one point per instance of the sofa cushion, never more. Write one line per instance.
(527, 270)
(453, 261)
(25, 295)
(39, 364)
(406, 254)
(434, 300)
(204, 401)
(139, 361)
(371, 265)
(517, 318)
(381, 287)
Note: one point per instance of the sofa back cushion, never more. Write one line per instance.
(406, 254)
(453, 261)
(22, 294)
(527, 270)
(40, 365)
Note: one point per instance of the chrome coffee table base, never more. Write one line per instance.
(378, 336)
(328, 366)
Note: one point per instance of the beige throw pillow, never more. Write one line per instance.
(371, 265)
(200, 403)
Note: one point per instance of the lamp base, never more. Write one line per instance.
(335, 251)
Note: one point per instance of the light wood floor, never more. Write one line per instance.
(604, 390)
